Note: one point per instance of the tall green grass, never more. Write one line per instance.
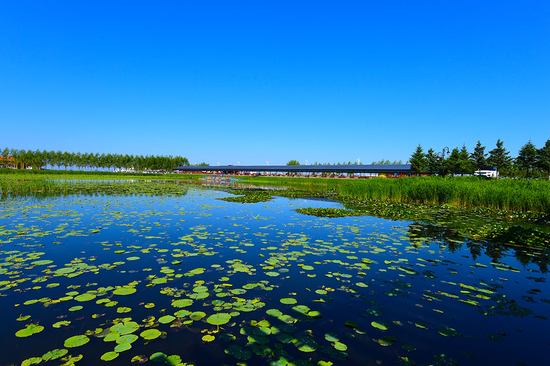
(504, 194)
(21, 187)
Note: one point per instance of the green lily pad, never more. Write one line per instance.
(197, 315)
(158, 357)
(85, 297)
(31, 361)
(339, 346)
(305, 344)
(218, 319)
(29, 330)
(123, 347)
(127, 339)
(380, 325)
(448, 332)
(76, 341)
(208, 338)
(108, 356)
(274, 312)
(288, 301)
(182, 313)
(182, 303)
(173, 360)
(55, 354)
(150, 334)
(166, 319)
(125, 328)
(124, 291)
(42, 262)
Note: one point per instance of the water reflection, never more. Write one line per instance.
(419, 232)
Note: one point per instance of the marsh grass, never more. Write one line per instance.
(502, 194)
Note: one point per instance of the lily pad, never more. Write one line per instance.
(218, 319)
(448, 332)
(150, 334)
(125, 328)
(182, 303)
(55, 354)
(288, 301)
(166, 319)
(76, 341)
(380, 325)
(29, 330)
(108, 356)
(158, 357)
(197, 315)
(124, 291)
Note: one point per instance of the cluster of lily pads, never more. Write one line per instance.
(148, 273)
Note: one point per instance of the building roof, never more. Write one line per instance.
(400, 168)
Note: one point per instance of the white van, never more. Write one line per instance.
(488, 172)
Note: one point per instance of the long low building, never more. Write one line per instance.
(401, 170)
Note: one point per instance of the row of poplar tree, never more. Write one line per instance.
(531, 162)
(88, 161)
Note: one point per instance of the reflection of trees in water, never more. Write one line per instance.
(106, 188)
(453, 241)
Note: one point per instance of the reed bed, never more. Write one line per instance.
(502, 194)
(20, 187)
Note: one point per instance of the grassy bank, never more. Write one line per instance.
(502, 194)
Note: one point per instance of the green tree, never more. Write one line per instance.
(465, 166)
(500, 158)
(527, 157)
(418, 160)
(432, 160)
(543, 158)
(453, 161)
(293, 162)
(479, 156)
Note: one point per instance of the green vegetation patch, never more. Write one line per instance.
(329, 212)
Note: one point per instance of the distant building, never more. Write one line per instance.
(8, 162)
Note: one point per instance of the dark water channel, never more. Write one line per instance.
(195, 280)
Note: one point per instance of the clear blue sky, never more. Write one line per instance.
(256, 81)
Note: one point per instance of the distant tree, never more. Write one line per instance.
(465, 165)
(479, 156)
(293, 162)
(527, 157)
(500, 158)
(453, 161)
(418, 160)
(543, 158)
(432, 161)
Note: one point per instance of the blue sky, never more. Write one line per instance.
(257, 81)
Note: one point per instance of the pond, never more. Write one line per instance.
(191, 279)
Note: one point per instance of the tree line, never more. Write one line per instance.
(381, 162)
(531, 162)
(88, 161)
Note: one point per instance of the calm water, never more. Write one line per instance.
(292, 289)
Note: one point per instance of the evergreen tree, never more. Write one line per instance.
(527, 157)
(479, 156)
(433, 161)
(418, 160)
(293, 162)
(466, 166)
(499, 157)
(543, 158)
(453, 161)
